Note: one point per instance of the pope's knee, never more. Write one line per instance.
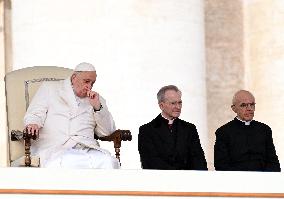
(112, 162)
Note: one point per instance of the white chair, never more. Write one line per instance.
(20, 87)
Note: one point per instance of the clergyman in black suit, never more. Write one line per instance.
(168, 142)
(244, 144)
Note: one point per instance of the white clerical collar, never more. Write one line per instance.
(170, 121)
(246, 122)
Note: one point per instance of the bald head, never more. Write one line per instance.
(243, 104)
(241, 94)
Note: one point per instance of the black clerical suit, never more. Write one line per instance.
(241, 147)
(177, 148)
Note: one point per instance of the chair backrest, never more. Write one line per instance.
(20, 87)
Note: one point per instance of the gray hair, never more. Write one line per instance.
(78, 72)
(75, 73)
(162, 91)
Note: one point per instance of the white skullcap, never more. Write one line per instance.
(84, 66)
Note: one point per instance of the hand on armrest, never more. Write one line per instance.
(17, 135)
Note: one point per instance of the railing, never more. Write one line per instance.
(145, 183)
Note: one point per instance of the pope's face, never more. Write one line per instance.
(83, 82)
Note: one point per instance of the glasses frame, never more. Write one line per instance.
(246, 105)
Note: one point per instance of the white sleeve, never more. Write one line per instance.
(38, 107)
(105, 124)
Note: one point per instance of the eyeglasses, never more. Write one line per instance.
(176, 103)
(247, 105)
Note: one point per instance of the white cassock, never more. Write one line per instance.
(66, 138)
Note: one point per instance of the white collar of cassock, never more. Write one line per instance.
(246, 122)
(170, 121)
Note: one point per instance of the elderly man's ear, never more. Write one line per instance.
(233, 107)
(73, 76)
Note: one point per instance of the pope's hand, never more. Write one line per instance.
(33, 129)
(94, 99)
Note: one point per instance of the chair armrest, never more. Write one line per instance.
(17, 135)
(116, 137)
(123, 135)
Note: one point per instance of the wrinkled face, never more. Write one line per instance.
(83, 82)
(244, 106)
(172, 104)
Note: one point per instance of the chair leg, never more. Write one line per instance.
(117, 145)
(117, 153)
(28, 152)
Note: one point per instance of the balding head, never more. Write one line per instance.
(241, 94)
(243, 104)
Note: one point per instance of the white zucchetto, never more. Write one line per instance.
(84, 66)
